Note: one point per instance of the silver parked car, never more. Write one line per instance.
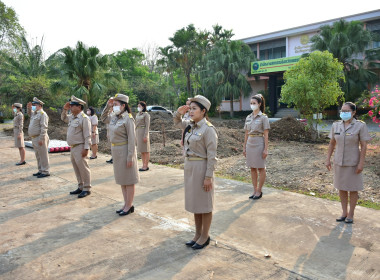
(157, 108)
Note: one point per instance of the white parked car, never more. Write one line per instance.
(157, 108)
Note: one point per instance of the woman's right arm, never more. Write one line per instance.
(329, 153)
(245, 143)
(105, 117)
(177, 117)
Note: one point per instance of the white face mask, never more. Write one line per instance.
(139, 109)
(116, 110)
(88, 113)
(254, 107)
(15, 110)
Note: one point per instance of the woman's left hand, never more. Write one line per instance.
(145, 139)
(359, 168)
(207, 184)
(129, 164)
(19, 136)
(265, 154)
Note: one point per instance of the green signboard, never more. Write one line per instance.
(273, 65)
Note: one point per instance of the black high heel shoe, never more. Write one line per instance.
(190, 243)
(119, 211)
(258, 197)
(341, 219)
(21, 163)
(196, 246)
(131, 210)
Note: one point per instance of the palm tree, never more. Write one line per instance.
(88, 69)
(28, 61)
(348, 42)
(227, 65)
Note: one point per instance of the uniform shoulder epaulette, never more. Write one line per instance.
(42, 112)
(83, 115)
(337, 121)
(130, 116)
(208, 123)
(264, 114)
(361, 121)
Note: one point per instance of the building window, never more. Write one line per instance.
(273, 49)
(374, 26)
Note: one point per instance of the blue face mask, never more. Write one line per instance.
(345, 116)
(34, 108)
(15, 110)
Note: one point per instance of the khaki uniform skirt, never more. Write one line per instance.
(254, 151)
(197, 200)
(141, 146)
(346, 179)
(95, 139)
(123, 175)
(19, 143)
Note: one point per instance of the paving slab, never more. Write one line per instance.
(45, 233)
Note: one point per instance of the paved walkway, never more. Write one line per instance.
(47, 234)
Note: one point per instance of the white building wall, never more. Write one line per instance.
(245, 102)
(300, 44)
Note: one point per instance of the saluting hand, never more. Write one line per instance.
(328, 164)
(207, 184)
(29, 105)
(84, 153)
(183, 109)
(66, 106)
(129, 164)
(110, 102)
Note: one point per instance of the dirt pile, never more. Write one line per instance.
(290, 129)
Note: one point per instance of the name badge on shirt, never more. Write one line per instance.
(348, 134)
(197, 133)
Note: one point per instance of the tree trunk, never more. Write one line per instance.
(188, 84)
(231, 105)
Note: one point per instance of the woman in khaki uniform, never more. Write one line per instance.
(123, 148)
(200, 143)
(142, 134)
(18, 126)
(94, 132)
(346, 135)
(255, 147)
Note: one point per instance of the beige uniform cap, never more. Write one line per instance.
(121, 97)
(37, 101)
(76, 101)
(202, 100)
(18, 105)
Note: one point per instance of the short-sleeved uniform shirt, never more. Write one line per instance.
(256, 124)
(347, 141)
(94, 121)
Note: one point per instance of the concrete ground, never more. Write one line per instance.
(47, 234)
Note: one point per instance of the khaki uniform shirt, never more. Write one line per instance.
(347, 141)
(186, 116)
(94, 121)
(121, 129)
(143, 122)
(79, 130)
(256, 124)
(200, 141)
(38, 125)
(18, 123)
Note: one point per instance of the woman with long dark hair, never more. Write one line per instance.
(123, 148)
(142, 134)
(94, 132)
(200, 143)
(255, 147)
(18, 126)
(346, 136)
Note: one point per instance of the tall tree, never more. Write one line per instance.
(10, 28)
(348, 42)
(88, 69)
(312, 84)
(227, 66)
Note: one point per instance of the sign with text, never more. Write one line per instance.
(273, 65)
